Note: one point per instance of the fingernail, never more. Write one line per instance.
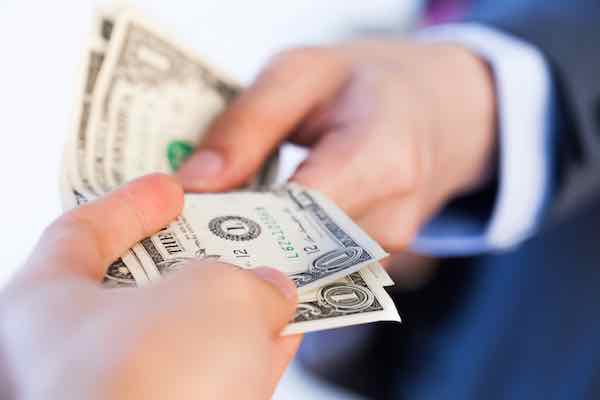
(278, 280)
(203, 165)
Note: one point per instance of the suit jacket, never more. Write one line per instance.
(523, 324)
(528, 324)
(568, 33)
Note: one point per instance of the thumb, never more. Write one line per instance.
(86, 240)
(243, 137)
(262, 295)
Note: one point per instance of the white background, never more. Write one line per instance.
(41, 44)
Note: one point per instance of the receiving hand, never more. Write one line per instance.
(210, 331)
(395, 130)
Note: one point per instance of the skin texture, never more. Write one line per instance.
(395, 129)
(189, 336)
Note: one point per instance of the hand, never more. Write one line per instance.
(395, 130)
(210, 331)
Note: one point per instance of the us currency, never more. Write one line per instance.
(147, 103)
(78, 150)
(150, 119)
(152, 103)
(75, 154)
(380, 274)
(75, 187)
(296, 230)
(354, 299)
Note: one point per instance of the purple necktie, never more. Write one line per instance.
(440, 11)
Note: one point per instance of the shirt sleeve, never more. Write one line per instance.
(526, 130)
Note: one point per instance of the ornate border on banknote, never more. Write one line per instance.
(351, 253)
(347, 257)
(337, 299)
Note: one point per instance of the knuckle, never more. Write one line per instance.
(68, 220)
(409, 180)
(75, 227)
(164, 190)
(303, 64)
(395, 239)
(402, 232)
(408, 169)
(73, 223)
(295, 57)
(134, 211)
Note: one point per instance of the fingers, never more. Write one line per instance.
(244, 298)
(86, 240)
(333, 168)
(282, 291)
(229, 319)
(355, 171)
(296, 83)
(286, 348)
(394, 223)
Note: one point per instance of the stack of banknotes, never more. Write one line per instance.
(143, 105)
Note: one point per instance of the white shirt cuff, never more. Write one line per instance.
(525, 122)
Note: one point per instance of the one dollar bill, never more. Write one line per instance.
(293, 229)
(354, 299)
